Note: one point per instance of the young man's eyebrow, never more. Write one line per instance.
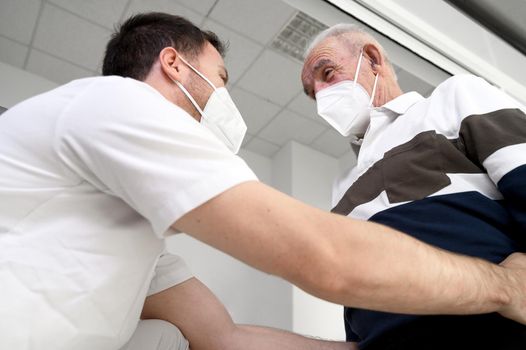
(225, 71)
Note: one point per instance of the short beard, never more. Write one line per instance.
(200, 91)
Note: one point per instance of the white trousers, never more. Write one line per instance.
(156, 335)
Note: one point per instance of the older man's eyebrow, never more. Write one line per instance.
(320, 64)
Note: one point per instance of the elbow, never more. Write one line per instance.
(342, 286)
(342, 281)
(331, 278)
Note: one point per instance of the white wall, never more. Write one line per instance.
(308, 175)
(16, 85)
(251, 296)
(261, 165)
(347, 161)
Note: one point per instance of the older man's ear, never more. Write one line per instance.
(374, 56)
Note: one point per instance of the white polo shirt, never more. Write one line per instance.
(448, 170)
(93, 174)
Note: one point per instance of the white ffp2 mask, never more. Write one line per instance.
(346, 105)
(220, 114)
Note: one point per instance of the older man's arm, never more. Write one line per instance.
(351, 262)
(206, 324)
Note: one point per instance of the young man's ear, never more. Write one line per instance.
(170, 63)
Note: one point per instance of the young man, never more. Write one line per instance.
(449, 170)
(95, 174)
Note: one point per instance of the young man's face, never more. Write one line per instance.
(211, 65)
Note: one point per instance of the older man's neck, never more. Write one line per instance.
(387, 92)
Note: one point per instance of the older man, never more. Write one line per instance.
(449, 170)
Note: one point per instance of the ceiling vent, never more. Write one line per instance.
(296, 35)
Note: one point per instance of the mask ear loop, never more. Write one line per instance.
(374, 89)
(358, 67)
(198, 73)
(189, 97)
(183, 89)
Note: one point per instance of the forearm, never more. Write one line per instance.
(256, 338)
(345, 261)
(394, 272)
(206, 324)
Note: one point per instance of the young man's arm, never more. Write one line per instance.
(350, 262)
(206, 324)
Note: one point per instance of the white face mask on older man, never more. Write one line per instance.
(346, 105)
(220, 114)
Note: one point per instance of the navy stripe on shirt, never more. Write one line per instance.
(466, 222)
(513, 188)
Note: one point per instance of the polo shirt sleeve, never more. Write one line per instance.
(126, 139)
(492, 131)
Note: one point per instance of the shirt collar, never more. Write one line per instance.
(402, 103)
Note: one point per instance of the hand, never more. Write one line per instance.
(515, 265)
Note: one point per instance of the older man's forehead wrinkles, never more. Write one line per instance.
(314, 62)
(310, 74)
(320, 63)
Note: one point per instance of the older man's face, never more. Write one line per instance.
(328, 63)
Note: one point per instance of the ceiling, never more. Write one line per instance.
(63, 40)
(503, 18)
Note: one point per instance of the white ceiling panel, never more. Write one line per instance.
(103, 12)
(53, 68)
(201, 6)
(289, 125)
(169, 6)
(260, 20)
(256, 111)
(273, 76)
(332, 142)
(76, 40)
(12, 52)
(241, 51)
(246, 140)
(18, 18)
(262, 147)
(305, 106)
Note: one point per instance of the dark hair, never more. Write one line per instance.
(136, 44)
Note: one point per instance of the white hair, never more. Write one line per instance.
(354, 35)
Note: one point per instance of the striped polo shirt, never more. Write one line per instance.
(449, 170)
